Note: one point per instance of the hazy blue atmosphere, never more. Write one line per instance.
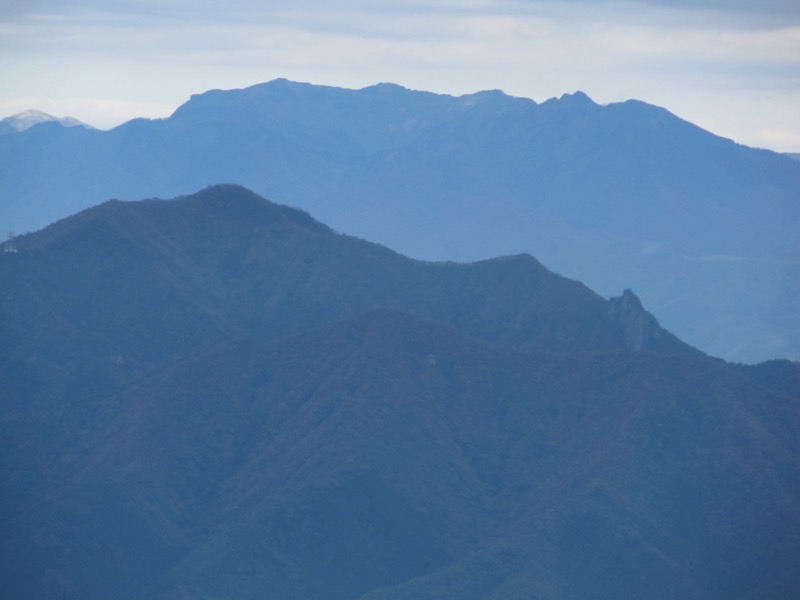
(618, 196)
(730, 67)
(400, 300)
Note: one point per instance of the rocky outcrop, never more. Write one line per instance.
(640, 328)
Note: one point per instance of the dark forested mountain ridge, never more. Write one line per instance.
(623, 195)
(217, 396)
(225, 262)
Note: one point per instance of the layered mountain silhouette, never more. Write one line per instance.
(617, 196)
(216, 396)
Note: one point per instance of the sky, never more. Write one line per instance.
(730, 66)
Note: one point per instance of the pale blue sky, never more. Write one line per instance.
(731, 66)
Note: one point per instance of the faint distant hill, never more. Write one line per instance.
(29, 118)
(220, 397)
(618, 196)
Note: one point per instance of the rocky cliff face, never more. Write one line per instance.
(641, 329)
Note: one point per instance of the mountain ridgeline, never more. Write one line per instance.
(617, 196)
(220, 397)
(225, 262)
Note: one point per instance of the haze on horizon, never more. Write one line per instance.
(732, 67)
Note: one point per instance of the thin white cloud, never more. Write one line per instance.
(742, 13)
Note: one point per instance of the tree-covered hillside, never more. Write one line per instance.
(220, 397)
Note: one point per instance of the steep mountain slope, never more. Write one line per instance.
(624, 195)
(387, 457)
(217, 397)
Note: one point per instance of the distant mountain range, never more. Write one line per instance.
(619, 196)
(220, 397)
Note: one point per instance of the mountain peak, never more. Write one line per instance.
(227, 195)
(29, 118)
(217, 210)
(575, 100)
(230, 200)
(385, 87)
(578, 98)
